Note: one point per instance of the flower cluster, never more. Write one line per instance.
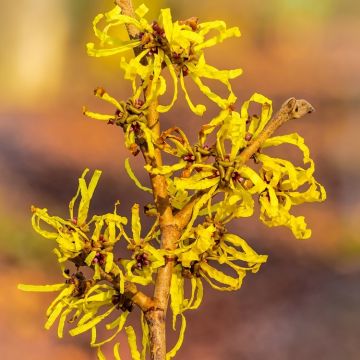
(178, 46)
(90, 244)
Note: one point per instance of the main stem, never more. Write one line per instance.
(170, 232)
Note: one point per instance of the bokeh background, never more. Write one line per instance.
(305, 302)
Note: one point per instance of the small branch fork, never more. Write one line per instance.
(172, 225)
(290, 109)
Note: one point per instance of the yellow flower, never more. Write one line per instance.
(96, 250)
(200, 248)
(72, 235)
(83, 300)
(88, 305)
(145, 259)
(282, 190)
(277, 183)
(212, 243)
(176, 45)
(130, 116)
(79, 300)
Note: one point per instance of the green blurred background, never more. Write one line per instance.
(304, 303)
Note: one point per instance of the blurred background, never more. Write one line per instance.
(304, 303)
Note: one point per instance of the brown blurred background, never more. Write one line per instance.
(304, 303)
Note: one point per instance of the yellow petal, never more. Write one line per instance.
(116, 351)
(87, 326)
(233, 129)
(165, 169)
(176, 294)
(100, 354)
(102, 94)
(180, 341)
(62, 321)
(200, 181)
(210, 273)
(98, 116)
(87, 192)
(198, 109)
(119, 323)
(257, 124)
(132, 342)
(54, 315)
(109, 262)
(41, 288)
(166, 21)
(202, 202)
(145, 337)
(166, 108)
(196, 283)
(136, 224)
(237, 203)
(89, 259)
(222, 103)
(210, 127)
(126, 46)
(220, 26)
(141, 11)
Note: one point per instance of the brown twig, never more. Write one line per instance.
(128, 10)
(169, 235)
(183, 217)
(143, 301)
(290, 109)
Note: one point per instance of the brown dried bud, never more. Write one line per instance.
(101, 238)
(186, 273)
(192, 22)
(185, 70)
(146, 38)
(99, 91)
(186, 173)
(158, 29)
(119, 113)
(176, 56)
(215, 174)
(248, 184)
(189, 157)
(99, 258)
(134, 149)
(138, 103)
(142, 260)
(135, 127)
(232, 107)
(236, 177)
